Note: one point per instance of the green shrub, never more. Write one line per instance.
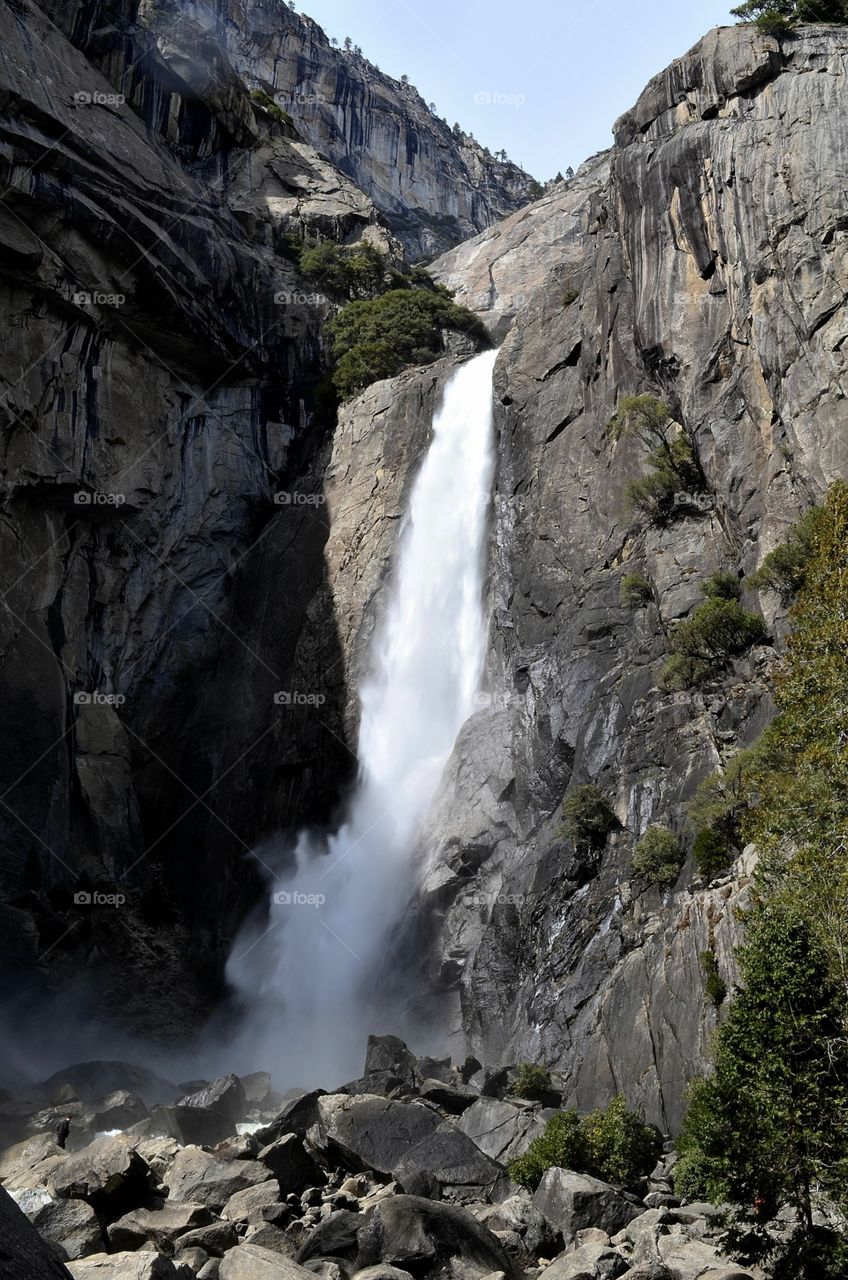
(658, 857)
(635, 591)
(717, 631)
(680, 673)
(561, 1146)
(783, 570)
(588, 816)
(714, 984)
(620, 1147)
(570, 296)
(671, 456)
(266, 103)
(713, 852)
(379, 338)
(532, 1082)
(345, 271)
(778, 17)
(614, 1145)
(722, 586)
(690, 1176)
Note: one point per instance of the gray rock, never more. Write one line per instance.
(518, 1213)
(215, 1239)
(256, 1087)
(298, 1116)
(24, 1255)
(501, 1129)
(127, 1266)
(95, 1080)
(453, 1098)
(588, 1262)
(336, 1236)
(109, 1174)
(291, 1164)
(73, 1224)
(449, 1156)
(252, 1262)
(197, 1176)
(118, 1110)
(372, 1132)
(259, 1203)
(409, 1232)
(224, 1096)
(382, 1271)
(157, 1226)
(572, 1201)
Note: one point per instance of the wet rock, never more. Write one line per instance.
(256, 1087)
(73, 1224)
(197, 1176)
(298, 1115)
(335, 1237)
(291, 1164)
(224, 1096)
(118, 1110)
(453, 1098)
(572, 1201)
(455, 1162)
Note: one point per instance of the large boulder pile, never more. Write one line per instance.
(398, 1174)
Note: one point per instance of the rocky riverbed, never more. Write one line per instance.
(398, 1175)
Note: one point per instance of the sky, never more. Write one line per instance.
(544, 79)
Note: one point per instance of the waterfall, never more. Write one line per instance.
(311, 981)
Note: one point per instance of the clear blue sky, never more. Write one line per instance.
(557, 72)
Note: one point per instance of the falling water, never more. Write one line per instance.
(312, 979)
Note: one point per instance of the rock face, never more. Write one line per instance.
(23, 1254)
(434, 186)
(715, 279)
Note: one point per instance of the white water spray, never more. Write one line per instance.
(312, 979)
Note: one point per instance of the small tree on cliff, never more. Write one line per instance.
(778, 16)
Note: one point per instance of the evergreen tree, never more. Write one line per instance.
(777, 16)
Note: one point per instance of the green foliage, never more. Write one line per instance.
(345, 271)
(614, 1145)
(635, 591)
(671, 456)
(784, 569)
(658, 857)
(778, 17)
(379, 338)
(771, 1124)
(532, 1082)
(722, 586)
(714, 984)
(266, 103)
(713, 852)
(717, 631)
(588, 816)
(570, 296)
(620, 1147)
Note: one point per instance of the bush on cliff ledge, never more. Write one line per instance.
(776, 17)
(614, 1145)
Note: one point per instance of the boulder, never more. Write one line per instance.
(389, 1065)
(571, 1201)
(109, 1174)
(298, 1115)
(214, 1240)
(450, 1157)
(588, 1262)
(24, 1255)
(127, 1266)
(451, 1097)
(253, 1262)
(92, 1080)
(197, 1176)
(256, 1204)
(239, 1146)
(117, 1110)
(269, 1236)
(210, 1271)
(256, 1087)
(519, 1214)
(190, 1126)
(291, 1164)
(336, 1236)
(73, 1224)
(194, 1259)
(381, 1271)
(225, 1096)
(136, 1228)
(29, 1162)
(501, 1130)
(687, 1259)
(425, 1235)
(372, 1133)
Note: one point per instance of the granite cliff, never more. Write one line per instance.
(161, 348)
